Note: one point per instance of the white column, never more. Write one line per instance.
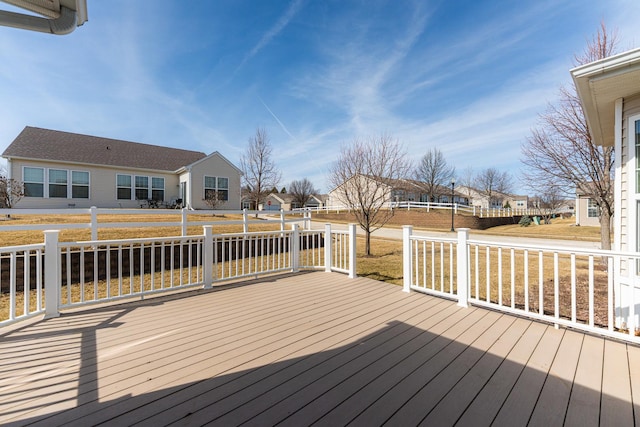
(94, 223)
(352, 251)
(462, 271)
(407, 268)
(328, 244)
(207, 256)
(51, 274)
(295, 248)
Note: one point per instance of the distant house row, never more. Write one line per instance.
(408, 190)
(63, 169)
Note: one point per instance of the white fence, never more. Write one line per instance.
(248, 217)
(587, 289)
(45, 278)
(428, 206)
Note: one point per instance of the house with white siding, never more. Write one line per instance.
(609, 90)
(62, 169)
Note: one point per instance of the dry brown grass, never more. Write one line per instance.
(560, 228)
(12, 238)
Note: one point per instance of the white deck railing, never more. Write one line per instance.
(587, 289)
(428, 206)
(45, 278)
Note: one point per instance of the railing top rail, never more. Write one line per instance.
(554, 248)
(98, 243)
(434, 239)
(20, 248)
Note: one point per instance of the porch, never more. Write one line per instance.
(308, 347)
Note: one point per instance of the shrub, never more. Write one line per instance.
(525, 221)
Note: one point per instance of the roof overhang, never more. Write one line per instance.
(599, 84)
(53, 16)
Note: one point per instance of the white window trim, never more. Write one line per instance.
(133, 186)
(215, 177)
(70, 190)
(632, 197)
(46, 182)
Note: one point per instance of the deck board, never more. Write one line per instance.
(304, 348)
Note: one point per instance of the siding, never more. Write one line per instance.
(102, 186)
(631, 107)
(215, 165)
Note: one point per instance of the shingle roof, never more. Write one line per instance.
(46, 144)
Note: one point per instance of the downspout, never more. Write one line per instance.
(64, 24)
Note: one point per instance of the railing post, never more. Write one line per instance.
(328, 244)
(51, 274)
(184, 221)
(207, 256)
(281, 219)
(407, 267)
(462, 272)
(94, 223)
(245, 221)
(352, 251)
(295, 248)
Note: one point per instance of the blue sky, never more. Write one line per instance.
(467, 77)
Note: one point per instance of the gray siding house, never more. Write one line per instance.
(62, 169)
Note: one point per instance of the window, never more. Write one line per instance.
(57, 183)
(33, 182)
(79, 185)
(214, 184)
(142, 187)
(592, 209)
(157, 189)
(123, 187)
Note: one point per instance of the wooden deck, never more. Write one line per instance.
(306, 348)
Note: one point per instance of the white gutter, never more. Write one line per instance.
(59, 23)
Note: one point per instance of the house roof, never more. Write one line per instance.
(52, 145)
(599, 84)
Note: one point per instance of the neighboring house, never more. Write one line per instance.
(395, 191)
(277, 201)
(62, 169)
(498, 200)
(587, 211)
(609, 91)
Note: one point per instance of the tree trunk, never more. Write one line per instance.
(367, 245)
(605, 230)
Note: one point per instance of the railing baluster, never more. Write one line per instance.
(556, 287)
(513, 279)
(525, 261)
(499, 276)
(574, 304)
(591, 293)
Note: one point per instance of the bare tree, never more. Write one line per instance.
(434, 172)
(301, 191)
(493, 184)
(213, 199)
(560, 151)
(363, 178)
(11, 192)
(260, 173)
(548, 203)
(467, 180)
